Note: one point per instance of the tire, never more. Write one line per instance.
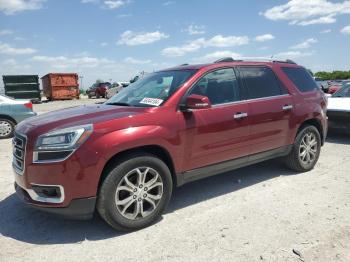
(115, 189)
(97, 95)
(7, 128)
(298, 159)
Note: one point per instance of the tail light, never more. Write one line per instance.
(29, 105)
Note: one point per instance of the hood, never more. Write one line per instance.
(339, 103)
(75, 116)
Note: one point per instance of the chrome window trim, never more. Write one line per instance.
(251, 100)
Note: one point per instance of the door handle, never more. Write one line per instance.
(240, 115)
(287, 107)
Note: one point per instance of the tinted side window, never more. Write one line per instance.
(220, 86)
(300, 78)
(261, 82)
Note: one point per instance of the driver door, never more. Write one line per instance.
(219, 133)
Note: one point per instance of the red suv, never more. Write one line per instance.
(123, 158)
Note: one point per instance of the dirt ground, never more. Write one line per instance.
(259, 213)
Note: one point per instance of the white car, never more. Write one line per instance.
(338, 110)
(116, 88)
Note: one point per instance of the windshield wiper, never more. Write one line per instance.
(118, 104)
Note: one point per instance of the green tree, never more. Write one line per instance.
(335, 75)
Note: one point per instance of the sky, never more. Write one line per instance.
(116, 39)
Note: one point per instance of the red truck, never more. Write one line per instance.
(124, 157)
(98, 90)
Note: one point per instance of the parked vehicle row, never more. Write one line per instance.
(116, 88)
(330, 87)
(165, 130)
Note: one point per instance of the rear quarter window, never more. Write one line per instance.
(300, 78)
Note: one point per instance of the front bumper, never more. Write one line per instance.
(81, 209)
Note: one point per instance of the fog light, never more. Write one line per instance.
(47, 191)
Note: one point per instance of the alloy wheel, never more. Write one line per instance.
(308, 148)
(139, 193)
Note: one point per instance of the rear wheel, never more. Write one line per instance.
(135, 193)
(7, 128)
(306, 150)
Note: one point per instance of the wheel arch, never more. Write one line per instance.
(155, 150)
(313, 122)
(8, 118)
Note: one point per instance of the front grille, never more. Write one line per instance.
(19, 143)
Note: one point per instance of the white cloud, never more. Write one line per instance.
(68, 62)
(113, 4)
(346, 30)
(292, 54)
(6, 32)
(9, 62)
(195, 30)
(263, 38)
(10, 7)
(140, 38)
(318, 21)
(134, 61)
(9, 50)
(306, 44)
(222, 41)
(124, 15)
(189, 47)
(168, 3)
(195, 45)
(211, 57)
(326, 31)
(88, 1)
(108, 4)
(301, 12)
(103, 44)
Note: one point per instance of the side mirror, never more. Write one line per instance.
(197, 102)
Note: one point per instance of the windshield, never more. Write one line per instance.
(152, 90)
(343, 92)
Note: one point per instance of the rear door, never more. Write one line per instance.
(219, 133)
(270, 107)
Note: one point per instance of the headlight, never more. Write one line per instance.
(63, 139)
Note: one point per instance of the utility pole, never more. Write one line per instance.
(81, 81)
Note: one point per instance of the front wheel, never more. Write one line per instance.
(306, 150)
(135, 193)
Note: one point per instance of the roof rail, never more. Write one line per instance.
(184, 64)
(288, 61)
(224, 60)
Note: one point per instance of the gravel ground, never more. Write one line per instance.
(259, 213)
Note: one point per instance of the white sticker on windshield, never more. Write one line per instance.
(151, 101)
